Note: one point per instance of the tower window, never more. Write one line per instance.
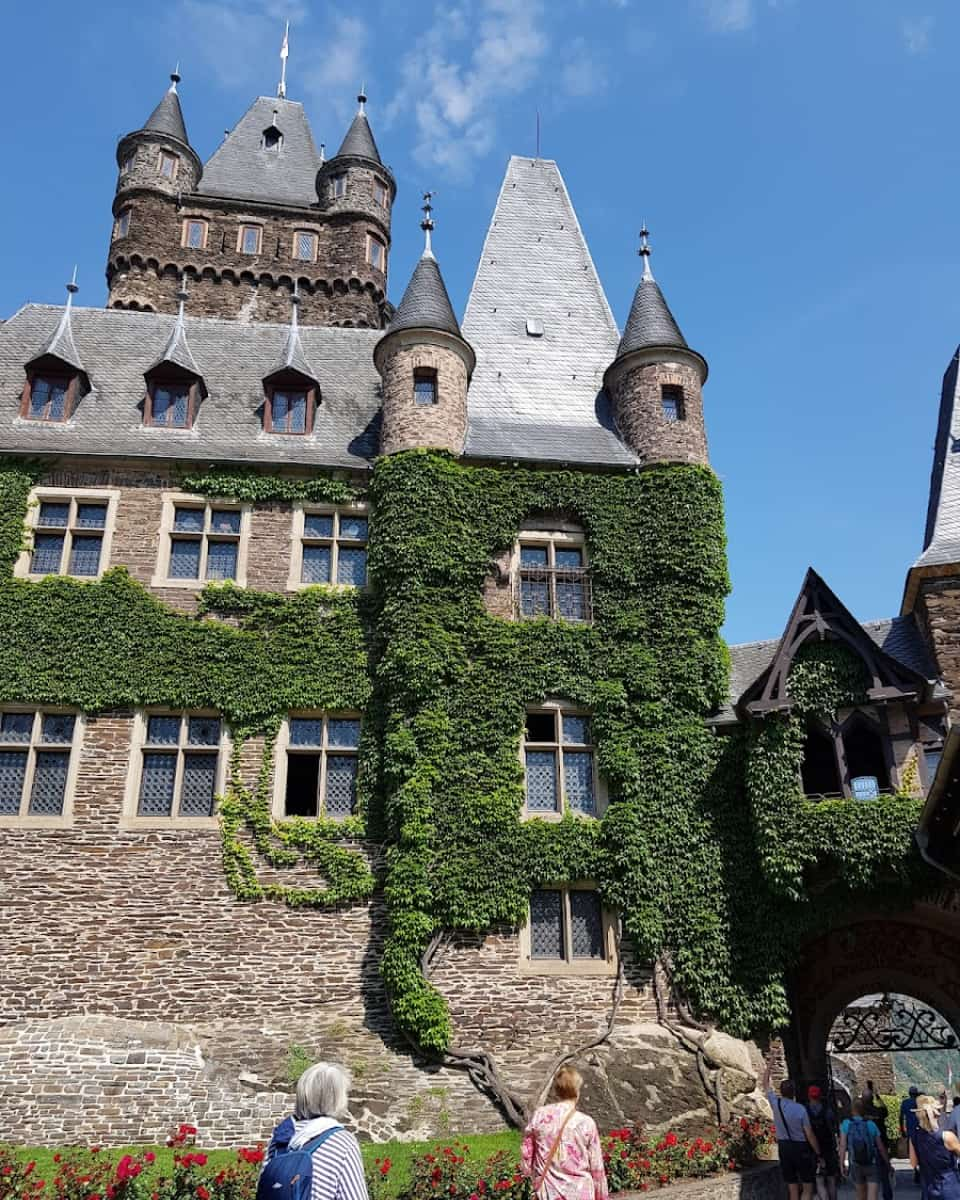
(288, 410)
(305, 246)
(551, 577)
(249, 240)
(122, 227)
(127, 165)
(424, 386)
(168, 164)
(671, 403)
(48, 397)
(376, 253)
(380, 192)
(272, 139)
(170, 405)
(339, 186)
(194, 234)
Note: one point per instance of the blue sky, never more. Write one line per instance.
(796, 160)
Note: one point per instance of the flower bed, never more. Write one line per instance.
(455, 1170)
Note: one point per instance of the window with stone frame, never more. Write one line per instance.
(177, 763)
(128, 163)
(202, 542)
(339, 186)
(424, 385)
(36, 755)
(376, 253)
(305, 245)
(672, 402)
(49, 396)
(319, 766)
(171, 403)
(168, 164)
(330, 546)
(194, 236)
(559, 763)
(551, 578)
(122, 226)
(380, 193)
(567, 925)
(248, 239)
(70, 532)
(289, 408)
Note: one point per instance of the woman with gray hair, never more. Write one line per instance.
(311, 1156)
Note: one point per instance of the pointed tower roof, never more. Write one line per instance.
(359, 142)
(650, 323)
(426, 303)
(60, 343)
(293, 356)
(177, 352)
(244, 168)
(167, 117)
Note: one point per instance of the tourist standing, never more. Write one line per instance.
(908, 1113)
(862, 1153)
(823, 1122)
(561, 1153)
(933, 1151)
(313, 1140)
(797, 1144)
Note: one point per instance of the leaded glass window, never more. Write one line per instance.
(334, 547)
(566, 925)
(179, 765)
(48, 398)
(321, 766)
(424, 386)
(305, 246)
(249, 239)
(376, 253)
(170, 405)
(552, 579)
(671, 403)
(194, 234)
(35, 752)
(168, 164)
(68, 536)
(559, 763)
(289, 411)
(204, 542)
(339, 186)
(380, 193)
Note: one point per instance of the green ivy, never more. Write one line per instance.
(706, 847)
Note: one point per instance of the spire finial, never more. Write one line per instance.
(284, 54)
(427, 223)
(175, 79)
(362, 99)
(72, 287)
(644, 251)
(323, 153)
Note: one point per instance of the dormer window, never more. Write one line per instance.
(671, 403)
(48, 397)
(122, 227)
(194, 233)
(380, 193)
(289, 408)
(272, 139)
(305, 245)
(168, 164)
(339, 186)
(170, 404)
(376, 253)
(424, 386)
(248, 241)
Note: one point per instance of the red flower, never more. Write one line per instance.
(149, 1157)
(56, 1158)
(187, 1130)
(664, 1179)
(28, 1168)
(744, 1124)
(670, 1139)
(707, 1147)
(202, 1194)
(385, 1166)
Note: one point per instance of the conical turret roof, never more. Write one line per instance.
(425, 303)
(167, 117)
(650, 323)
(359, 142)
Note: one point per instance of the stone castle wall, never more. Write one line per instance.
(938, 612)
(638, 412)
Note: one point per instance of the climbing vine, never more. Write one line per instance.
(717, 864)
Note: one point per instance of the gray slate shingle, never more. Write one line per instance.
(941, 543)
(425, 303)
(177, 351)
(233, 359)
(650, 323)
(359, 141)
(539, 398)
(243, 169)
(167, 117)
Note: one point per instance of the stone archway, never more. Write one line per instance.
(916, 954)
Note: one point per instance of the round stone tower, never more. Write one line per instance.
(425, 364)
(156, 164)
(655, 383)
(356, 193)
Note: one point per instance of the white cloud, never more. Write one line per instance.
(728, 16)
(916, 34)
(582, 74)
(462, 72)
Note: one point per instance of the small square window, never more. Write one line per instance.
(566, 925)
(376, 253)
(424, 386)
(168, 164)
(194, 234)
(305, 246)
(671, 401)
(288, 411)
(169, 405)
(339, 186)
(250, 239)
(332, 549)
(47, 398)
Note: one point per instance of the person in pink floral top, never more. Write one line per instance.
(561, 1151)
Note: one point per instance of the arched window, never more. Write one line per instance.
(819, 771)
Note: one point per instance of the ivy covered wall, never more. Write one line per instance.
(706, 848)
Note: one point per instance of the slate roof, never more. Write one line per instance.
(359, 142)
(942, 537)
(233, 359)
(243, 169)
(60, 343)
(898, 636)
(425, 303)
(177, 351)
(650, 323)
(167, 117)
(540, 398)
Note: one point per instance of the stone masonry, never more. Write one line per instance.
(938, 611)
(408, 425)
(636, 387)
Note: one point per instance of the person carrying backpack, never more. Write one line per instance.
(862, 1145)
(823, 1122)
(311, 1156)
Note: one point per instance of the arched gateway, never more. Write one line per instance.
(916, 953)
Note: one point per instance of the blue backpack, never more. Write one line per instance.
(861, 1143)
(289, 1173)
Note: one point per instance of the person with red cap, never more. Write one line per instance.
(823, 1122)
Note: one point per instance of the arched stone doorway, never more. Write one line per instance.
(916, 954)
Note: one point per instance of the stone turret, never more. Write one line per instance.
(425, 364)
(655, 383)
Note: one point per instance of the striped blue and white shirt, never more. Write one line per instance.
(337, 1167)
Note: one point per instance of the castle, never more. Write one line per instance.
(361, 687)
